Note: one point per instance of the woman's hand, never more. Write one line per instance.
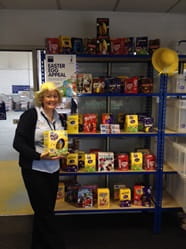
(46, 156)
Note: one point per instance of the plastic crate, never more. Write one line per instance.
(176, 115)
(182, 159)
(171, 154)
(175, 156)
(177, 84)
(176, 187)
(181, 47)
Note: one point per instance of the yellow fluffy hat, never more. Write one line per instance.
(165, 60)
(48, 86)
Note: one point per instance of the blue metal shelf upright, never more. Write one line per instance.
(160, 151)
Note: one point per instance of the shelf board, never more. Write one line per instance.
(173, 133)
(176, 94)
(64, 207)
(168, 169)
(118, 58)
(115, 172)
(121, 134)
(169, 202)
(113, 58)
(116, 94)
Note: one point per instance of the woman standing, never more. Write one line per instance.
(40, 171)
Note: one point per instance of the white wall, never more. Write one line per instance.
(15, 69)
(24, 28)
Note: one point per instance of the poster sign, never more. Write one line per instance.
(60, 67)
(18, 88)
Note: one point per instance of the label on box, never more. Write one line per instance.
(105, 161)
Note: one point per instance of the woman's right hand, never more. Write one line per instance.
(45, 156)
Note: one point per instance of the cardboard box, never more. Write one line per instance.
(90, 162)
(103, 197)
(105, 161)
(73, 124)
(56, 142)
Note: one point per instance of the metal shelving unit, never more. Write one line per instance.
(157, 133)
(160, 133)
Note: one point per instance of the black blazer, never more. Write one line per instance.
(24, 138)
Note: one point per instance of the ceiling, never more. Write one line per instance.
(157, 6)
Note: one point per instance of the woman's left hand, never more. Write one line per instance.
(46, 156)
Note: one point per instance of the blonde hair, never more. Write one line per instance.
(45, 87)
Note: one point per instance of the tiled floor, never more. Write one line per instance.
(109, 231)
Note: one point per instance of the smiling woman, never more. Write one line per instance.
(40, 169)
(48, 90)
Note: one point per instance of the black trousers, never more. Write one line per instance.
(42, 190)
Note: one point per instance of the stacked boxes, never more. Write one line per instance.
(177, 83)
(103, 39)
(175, 156)
(176, 187)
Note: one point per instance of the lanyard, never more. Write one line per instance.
(49, 124)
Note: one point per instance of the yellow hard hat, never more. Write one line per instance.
(165, 60)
